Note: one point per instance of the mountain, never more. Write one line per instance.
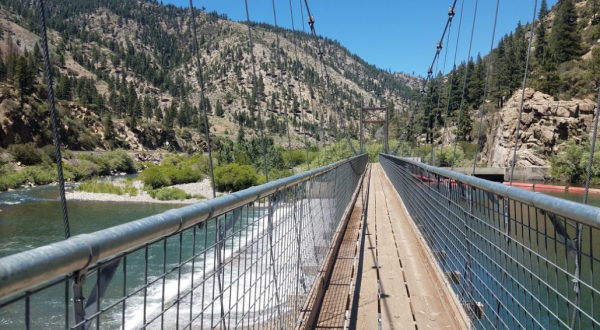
(125, 76)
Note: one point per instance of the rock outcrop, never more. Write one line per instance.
(545, 125)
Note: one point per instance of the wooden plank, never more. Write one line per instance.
(336, 301)
(430, 302)
(396, 311)
(367, 317)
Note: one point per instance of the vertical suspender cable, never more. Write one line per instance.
(512, 166)
(287, 115)
(579, 226)
(507, 222)
(202, 98)
(437, 111)
(462, 6)
(429, 76)
(299, 80)
(311, 22)
(485, 90)
(260, 123)
(462, 100)
(320, 130)
(61, 180)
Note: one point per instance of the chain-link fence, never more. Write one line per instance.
(246, 260)
(515, 258)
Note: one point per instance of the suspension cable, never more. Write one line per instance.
(299, 81)
(254, 83)
(462, 6)
(485, 90)
(203, 98)
(439, 101)
(55, 133)
(512, 167)
(320, 129)
(462, 99)
(507, 223)
(429, 76)
(332, 94)
(287, 115)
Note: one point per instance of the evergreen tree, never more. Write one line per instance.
(23, 78)
(219, 109)
(543, 10)
(565, 40)
(541, 41)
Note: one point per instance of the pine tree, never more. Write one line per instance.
(543, 10)
(541, 41)
(565, 40)
(23, 78)
(219, 109)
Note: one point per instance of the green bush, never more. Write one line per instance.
(572, 162)
(102, 187)
(40, 175)
(120, 161)
(154, 177)
(27, 154)
(234, 177)
(84, 170)
(102, 163)
(169, 194)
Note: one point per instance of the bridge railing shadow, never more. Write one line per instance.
(514, 258)
(244, 260)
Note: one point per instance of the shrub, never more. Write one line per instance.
(102, 187)
(27, 154)
(154, 177)
(120, 161)
(571, 164)
(104, 167)
(169, 194)
(234, 177)
(39, 174)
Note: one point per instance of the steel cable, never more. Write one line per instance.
(55, 134)
(507, 222)
(285, 99)
(462, 6)
(485, 90)
(299, 80)
(437, 111)
(462, 100)
(311, 23)
(203, 98)
(407, 128)
(254, 83)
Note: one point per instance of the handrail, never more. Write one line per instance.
(33, 267)
(586, 214)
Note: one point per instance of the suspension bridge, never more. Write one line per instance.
(395, 245)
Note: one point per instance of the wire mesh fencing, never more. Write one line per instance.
(245, 260)
(516, 259)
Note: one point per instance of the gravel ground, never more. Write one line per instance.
(203, 188)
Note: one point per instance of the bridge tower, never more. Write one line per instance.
(377, 115)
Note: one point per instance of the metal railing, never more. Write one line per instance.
(516, 259)
(245, 260)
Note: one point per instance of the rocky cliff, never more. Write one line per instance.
(545, 125)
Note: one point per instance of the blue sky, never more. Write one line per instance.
(396, 35)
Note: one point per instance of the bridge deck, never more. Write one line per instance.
(384, 275)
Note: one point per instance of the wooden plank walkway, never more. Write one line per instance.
(384, 276)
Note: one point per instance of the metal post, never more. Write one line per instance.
(362, 137)
(386, 142)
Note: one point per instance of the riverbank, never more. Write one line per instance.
(202, 188)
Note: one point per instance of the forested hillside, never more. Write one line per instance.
(126, 77)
